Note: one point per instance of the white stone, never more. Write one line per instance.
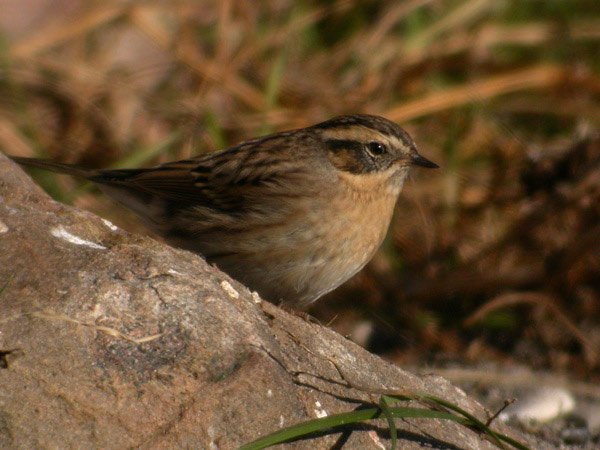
(227, 287)
(60, 233)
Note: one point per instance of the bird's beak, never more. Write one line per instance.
(418, 160)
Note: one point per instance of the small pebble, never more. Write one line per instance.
(227, 287)
(110, 225)
(541, 405)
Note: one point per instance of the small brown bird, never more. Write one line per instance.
(291, 215)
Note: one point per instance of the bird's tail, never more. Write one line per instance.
(53, 166)
(143, 201)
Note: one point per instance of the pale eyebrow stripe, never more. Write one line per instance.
(354, 133)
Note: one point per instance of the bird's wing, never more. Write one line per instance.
(231, 180)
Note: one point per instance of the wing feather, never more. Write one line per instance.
(231, 181)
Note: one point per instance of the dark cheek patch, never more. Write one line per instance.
(349, 156)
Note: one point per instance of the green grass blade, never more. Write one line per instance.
(3, 288)
(142, 155)
(385, 408)
(272, 88)
(474, 420)
(214, 129)
(337, 420)
(471, 420)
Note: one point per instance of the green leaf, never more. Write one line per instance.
(383, 404)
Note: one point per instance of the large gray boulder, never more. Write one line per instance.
(110, 340)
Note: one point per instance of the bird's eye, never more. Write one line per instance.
(375, 148)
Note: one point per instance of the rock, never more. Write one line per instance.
(112, 340)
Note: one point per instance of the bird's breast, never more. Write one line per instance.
(358, 226)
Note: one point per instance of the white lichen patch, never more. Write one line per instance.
(110, 225)
(375, 438)
(97, 311)
(174, 272)
(256, 298)
(320, 412)
(3, 228)
(227, 287)
(212, 445)
(281, 421)
(60, 233)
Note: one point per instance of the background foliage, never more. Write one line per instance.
(495, 257)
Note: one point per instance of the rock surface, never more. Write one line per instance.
(114, 341)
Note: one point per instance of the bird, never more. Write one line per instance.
(291, 215)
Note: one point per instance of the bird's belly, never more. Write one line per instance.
(301, 258)
(299, 263)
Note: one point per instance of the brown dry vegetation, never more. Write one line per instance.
(495, 256)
